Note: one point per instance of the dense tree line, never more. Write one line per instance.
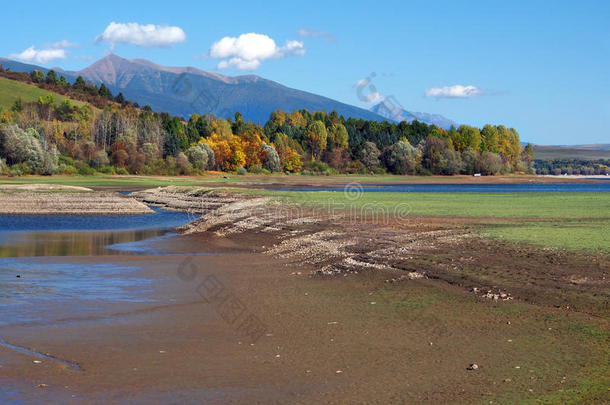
(112, 135)
(572, 166)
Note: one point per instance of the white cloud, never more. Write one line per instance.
(306, 33)
(149, 35)
(32, 54)
(248, 51)
(457, 91)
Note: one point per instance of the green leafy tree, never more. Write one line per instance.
(199, 156)
(465, 138)
(52, 77)
(401, 158)
(104, 92)
(271, 159)
(79, 83)
(369, 155)
(489, 138)
(37, 76)
(338, 137)
(316, 138)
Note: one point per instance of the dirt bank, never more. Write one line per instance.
(66, 201)
(451, 252)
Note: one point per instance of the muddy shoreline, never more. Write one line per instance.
(332, 243)
(348, 312)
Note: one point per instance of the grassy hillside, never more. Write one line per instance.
(12, 90)
(566, 152)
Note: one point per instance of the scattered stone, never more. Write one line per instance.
(42, 386)
(507, 380)
(338, 371)
(37, 362)
(472, 367)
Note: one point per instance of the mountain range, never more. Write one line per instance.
(183, 91)
(395, 113)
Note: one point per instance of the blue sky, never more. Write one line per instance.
(539, 66)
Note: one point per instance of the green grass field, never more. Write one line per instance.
(12, 90)
(543, 205)
(578, 221)
(573, 235)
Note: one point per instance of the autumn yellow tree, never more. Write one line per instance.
(316, 138)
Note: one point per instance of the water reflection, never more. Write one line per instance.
(70, 243)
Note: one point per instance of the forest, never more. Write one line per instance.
(112, 135)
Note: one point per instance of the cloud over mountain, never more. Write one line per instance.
(248, 51)
(53, 52)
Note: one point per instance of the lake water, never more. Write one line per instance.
(43, 260)
(461, 188)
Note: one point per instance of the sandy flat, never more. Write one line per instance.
(71, 203)
(41, 187)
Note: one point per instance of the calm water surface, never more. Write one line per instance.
(465, 188)
(42, 262)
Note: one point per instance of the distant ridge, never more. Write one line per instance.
(398, 114)
(183, 91)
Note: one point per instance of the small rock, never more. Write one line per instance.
(373, 303)
(37, 362)
(42, 386)
(472, 367)
(506, 380)
(338, 371)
